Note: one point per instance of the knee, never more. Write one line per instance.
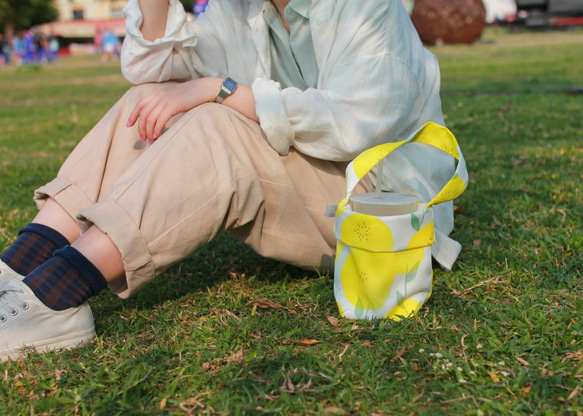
(137, 92)
(213, 111)
(220, 116)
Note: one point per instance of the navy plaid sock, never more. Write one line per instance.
(35, 245)
(65, 281)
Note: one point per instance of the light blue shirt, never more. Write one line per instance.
(293, 59)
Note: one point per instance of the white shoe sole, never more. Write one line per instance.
(67, 342)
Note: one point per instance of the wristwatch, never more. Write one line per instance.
(227, 88)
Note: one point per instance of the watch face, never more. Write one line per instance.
(230, 84)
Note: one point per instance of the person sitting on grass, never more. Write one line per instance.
(243, 120)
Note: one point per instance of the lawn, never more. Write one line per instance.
(229, 333)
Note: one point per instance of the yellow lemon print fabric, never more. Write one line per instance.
(383, 266)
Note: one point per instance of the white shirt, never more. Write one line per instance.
(375, 82)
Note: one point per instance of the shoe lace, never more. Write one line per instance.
(10, 303)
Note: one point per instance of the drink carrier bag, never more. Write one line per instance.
(383, 266)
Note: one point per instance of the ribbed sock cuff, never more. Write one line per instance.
(49, 233)
(88, 271)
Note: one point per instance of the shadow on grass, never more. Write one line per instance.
(210, 266)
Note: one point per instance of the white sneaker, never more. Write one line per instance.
(6, 272)
(25, 322)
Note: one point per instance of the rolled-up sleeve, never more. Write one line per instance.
(272, 114)
(163, 59)
(362, 104)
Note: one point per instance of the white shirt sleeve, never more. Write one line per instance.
(216, 43)
(163, 59)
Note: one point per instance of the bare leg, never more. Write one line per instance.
(52, 215)
(98, 248)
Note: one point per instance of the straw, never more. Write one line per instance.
(377, 192)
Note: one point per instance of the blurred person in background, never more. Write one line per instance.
(5, 50)
(53, 47)
(110, 46)
(29, 55)
(199, 6)
(18, 47)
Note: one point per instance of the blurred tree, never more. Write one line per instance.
(188, 4)
(23, 14)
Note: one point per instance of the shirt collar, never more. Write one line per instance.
(301, 7)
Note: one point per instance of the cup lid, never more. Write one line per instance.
(384, 198)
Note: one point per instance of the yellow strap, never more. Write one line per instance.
(431, 134)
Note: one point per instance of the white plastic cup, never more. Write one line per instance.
(382, 204)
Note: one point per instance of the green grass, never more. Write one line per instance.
(225, 332)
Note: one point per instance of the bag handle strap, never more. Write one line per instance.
(431, 134)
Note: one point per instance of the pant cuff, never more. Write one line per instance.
(65, 193)
(125, 234)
